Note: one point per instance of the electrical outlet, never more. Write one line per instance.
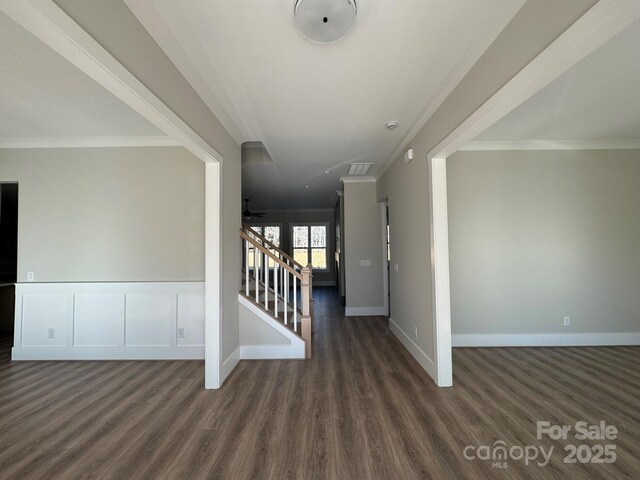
(181, 333)
(567, 321)
(51, 333)
(415, 331)
(29, 276)
(365, 263)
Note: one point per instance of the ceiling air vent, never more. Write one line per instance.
(359, 168)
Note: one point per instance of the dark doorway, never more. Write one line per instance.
(8, 255)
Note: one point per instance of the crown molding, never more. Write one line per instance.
(87, 142)
(365, 179)
(51, 25)
(153, 22)
(598, 25)
(479, 146)
(501, 16)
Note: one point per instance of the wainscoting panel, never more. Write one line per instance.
(109, 321)
(46, 320)
(149, 320)
(190, 315)
(98, 320)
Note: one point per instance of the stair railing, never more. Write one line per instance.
(288, 277)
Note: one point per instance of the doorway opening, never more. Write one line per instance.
(8, 258)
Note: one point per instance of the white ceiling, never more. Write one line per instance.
(598, 100)
(42, 95)
(317, 107)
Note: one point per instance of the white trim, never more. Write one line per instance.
(604, 20)
(212, 275)
(324, 283)
(385, 261)
(440, 289)
(87, 142)
(48, 22)
(108, 321)
(545, 339)
(501, 17)
(107, 353)
(416, 352)
(365, 311)
(365, 179)
(269, 352)
(161, 33)
(229, 364)
(479, 146)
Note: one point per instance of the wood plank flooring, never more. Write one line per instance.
(362, 408)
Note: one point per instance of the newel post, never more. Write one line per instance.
(306, 308)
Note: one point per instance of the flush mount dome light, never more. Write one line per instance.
(324, 21)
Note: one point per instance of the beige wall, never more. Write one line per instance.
(108, 214)
(255, 331)
(287, 219)
(116, 28)
(538, 235)
(536, 25)
(362, 241)
(407, 190)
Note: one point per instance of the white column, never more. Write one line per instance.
(440, 271)
(212, 275)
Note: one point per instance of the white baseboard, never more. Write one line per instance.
(108, 353)
(271, 352)
(324, 283)
(365, 311)
(546, 340)
(416, 352)
(229, 364)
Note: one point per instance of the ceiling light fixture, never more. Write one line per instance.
(391, 124)
(327, 172)
(324, 21)
(306, 186)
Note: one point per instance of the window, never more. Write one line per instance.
(271, 233)
(310, 245)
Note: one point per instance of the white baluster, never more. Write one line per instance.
(286, 296)
(275, 286)
(266, 282)
(246, 267)
(256, 271)
(295, 305)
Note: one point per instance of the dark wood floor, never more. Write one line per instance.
(362, 408)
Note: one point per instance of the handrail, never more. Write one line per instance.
(267, 252)
(272, 245)
(287, 281)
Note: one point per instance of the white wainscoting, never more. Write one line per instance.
(109, 321)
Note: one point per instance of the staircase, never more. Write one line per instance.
(277, 284)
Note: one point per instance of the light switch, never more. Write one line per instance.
(395, 267)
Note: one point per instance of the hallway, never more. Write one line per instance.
(361, 408)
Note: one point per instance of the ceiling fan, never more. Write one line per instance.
(247, 214)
